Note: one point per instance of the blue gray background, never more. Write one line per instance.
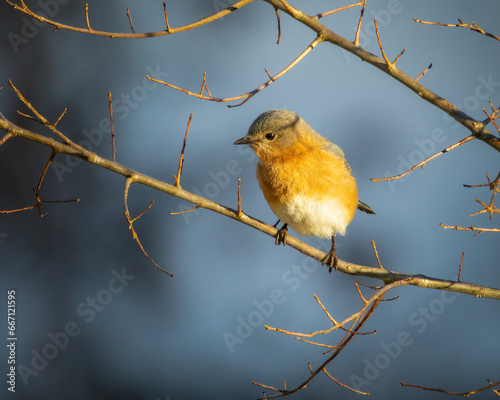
(152, 337)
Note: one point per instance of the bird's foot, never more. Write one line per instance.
(282, 235)
(331, 258)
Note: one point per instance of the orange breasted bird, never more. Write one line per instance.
(304, 177)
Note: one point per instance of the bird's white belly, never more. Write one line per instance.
(313, 217)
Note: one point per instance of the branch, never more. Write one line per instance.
(359, 319)
(471, 228)
(465, 394)
(24, 9)
(477, 128)
(422, 163)
(246, 96)
(461, 24)
(201, 202)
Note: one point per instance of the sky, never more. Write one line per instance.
(95, 319)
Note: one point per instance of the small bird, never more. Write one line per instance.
(304, 177)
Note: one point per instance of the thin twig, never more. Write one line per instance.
(388, 63)
(465, 394)
(461, 24)
(471, 228)
(250, 94)
(376, 254)
(166, 17)
(87, 16)
(460, 266)
(359, 3)
(111, 123)
(279, 24)
(422, 163)
(130, 21)
(399, 55)
(343, 385)
(356, 37)
(128, 181)
(423, 72)
(181, 159)
(240, 213)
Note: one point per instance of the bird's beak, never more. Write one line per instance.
(243, 140)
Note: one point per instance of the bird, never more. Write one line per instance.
(304, 177)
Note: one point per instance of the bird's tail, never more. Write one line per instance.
(365, 207)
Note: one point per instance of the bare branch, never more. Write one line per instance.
(112, 128)
(130, 21)
(471, 228)
(24, 9)
(465, 394)
(128, 181)
(424, 72)
(201, 202)
(246, 96)
(472, 27)
(181, 159)
(422, 163)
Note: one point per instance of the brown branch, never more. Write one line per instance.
(341, 384)
(349, 268)
(376, 254)
(491, 117)
(247, 96)
(356, 37)
(279, 24)
(38, 201)
(359, 3)
(181, 159)
(128, 181)
(87, 17)
(111, 123)
(494, 187)
(461, 24)
(166, 17)
(185, 211)
(6, 137)
(460, 266)
(465, 394)
(240, 213)
(387, 62)
(24, 9)
(471, 228)
(130, 21)
(363, 315)
(422, 163)
(477, 128)
(423, 72)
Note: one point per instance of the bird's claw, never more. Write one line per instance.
(281, 235)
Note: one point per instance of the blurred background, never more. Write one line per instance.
(95, 319)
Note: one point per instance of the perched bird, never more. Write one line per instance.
(304, 177)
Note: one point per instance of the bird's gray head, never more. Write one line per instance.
(274, 131)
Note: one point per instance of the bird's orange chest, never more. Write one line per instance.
(307, 171)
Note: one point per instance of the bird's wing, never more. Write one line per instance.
(336, 151)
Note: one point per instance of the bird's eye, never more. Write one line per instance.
(270, 136)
